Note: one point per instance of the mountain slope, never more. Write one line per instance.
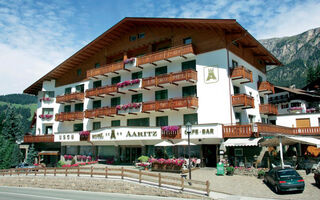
(297, 53)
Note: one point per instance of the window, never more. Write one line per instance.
(136, 98)
(192, 118)
(80, 88)
(48, 130)
(284, 106)
(96, 125)
(251, 119)
(78, 107)
(238, 117)
(49, 94)
(261, 100)
(97, 84)
(260, 79)
(67, 108)
(132, 38)
(79, 72)
(296, 104)
(138, 122)
(234, 64)
(78, 127)
(235, 43)
(136, 75)
(160, 70)
(97, 65)
(236, 90)
(190, 91)
(96, 104)
(115, 123)
(67, 90)
(238, 152)
(115, 80)
(47, 111)
(161, 95)
(115, 101)
(162, 121)
(264, 120)
(189, 65)
(187, 40)
(141, 35)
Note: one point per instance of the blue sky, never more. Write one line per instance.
(36, 36)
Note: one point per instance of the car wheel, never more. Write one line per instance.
(276, 189)
(265, 180)
(300, 191)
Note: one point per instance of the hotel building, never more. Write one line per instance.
(142, 80)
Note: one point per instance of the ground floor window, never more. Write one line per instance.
(138, 122)
(192, 118)
(71, 150)
(85, 150)
(105, 151)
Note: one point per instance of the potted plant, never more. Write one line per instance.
(261, 173)
(230, 170)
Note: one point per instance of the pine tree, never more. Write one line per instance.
(16, 155)
(12, 128)
(311, 76)
(32, 154)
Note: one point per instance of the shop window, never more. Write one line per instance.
(115, 123)
(96, 104)
(71, 150)
(187, 40)
(115, 80)
(48, 130)
(138, 122)
(190, 91)
(236, 90)
(79, 72)
(160, 70)
(189, 65)
(67, 108)
(78, 127)
(47, 111)
(192, 118)
(238, 152)
(132, 38)
(141, 35)
(67, 90)
(115, 101)
(162, 121)
(78, 107)
(80, 88)
(284, 106)
(97, 65)
(136, 75)
(251, 119)
(136, 98)
(161, 95)
(97, 84)
(234, 64)
(49, 94)
(96, 125)
(238, 117)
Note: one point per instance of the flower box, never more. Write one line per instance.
(168, 165)
(45, 99)
(129, 63)
(128, 83)
(45, 116)
(84, 135)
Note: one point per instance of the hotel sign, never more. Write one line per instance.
(211, 74)
(203, 131)
(67, 137)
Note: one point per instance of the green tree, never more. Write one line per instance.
(12, 128)
(16, 156)
(32, 154)
(317, 72)
(311, 75)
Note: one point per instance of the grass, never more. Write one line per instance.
(32, 107)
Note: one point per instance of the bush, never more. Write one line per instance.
(143, 158)
(60, 163)
(73, 162)
(261, 173)
(230, 170)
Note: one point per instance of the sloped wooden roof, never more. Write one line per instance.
(229, 26)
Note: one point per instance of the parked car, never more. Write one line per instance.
(308, 165)
(26, 166)
(287, 179)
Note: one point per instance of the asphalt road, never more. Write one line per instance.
(18, 193)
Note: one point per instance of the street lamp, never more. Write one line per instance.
(189, 129)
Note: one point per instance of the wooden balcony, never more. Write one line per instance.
(67, 98)
(307, 131)
(172, 78)
(69, 116)
(38, 138)
(171, 104)
(167, 55)
(237, 131)
(268, 109)
(102, 91)
(265, 88)
(243, 101)
(241, 74)
(100, 112)
(105, 70)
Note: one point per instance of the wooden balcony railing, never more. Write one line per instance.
(100, 112)
(172, 78)
(109, 68)
(241, 73)
(173, 104)
(242, 100)
(70, 97)
(237, 131)
(101, 91)
(266, 87)
(38, 138)
(268, 109)
(166, 54)
(307, 131)
(69, 116)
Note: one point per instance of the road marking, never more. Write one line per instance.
(31, 195)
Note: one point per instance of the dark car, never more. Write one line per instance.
(286, 179)
(317, 177)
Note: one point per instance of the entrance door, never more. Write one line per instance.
(132, 154)
(209, 155)
(303, 122)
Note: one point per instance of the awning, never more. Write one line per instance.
(305, 140)
(241, 142)
(49, 153)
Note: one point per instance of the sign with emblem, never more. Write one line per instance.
(67, 137)
(211, 74)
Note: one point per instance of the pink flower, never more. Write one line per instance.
(118, 107)
(70, 157)
(66, 157)
(84, 133)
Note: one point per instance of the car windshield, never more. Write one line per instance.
(287, 173)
